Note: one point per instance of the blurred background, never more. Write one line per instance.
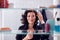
(11, 17)
(29, 3)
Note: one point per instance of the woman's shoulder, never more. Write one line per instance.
(21, 27)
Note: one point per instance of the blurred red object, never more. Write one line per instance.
(4, 4)
(47, 27)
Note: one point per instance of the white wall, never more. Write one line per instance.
(0, 23)
(0, 18)
(30, 3)
(12, 18)
(49, 14)
(56, 2)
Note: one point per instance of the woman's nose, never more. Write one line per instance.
(31, 17)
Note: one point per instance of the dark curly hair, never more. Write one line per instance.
(24, 18)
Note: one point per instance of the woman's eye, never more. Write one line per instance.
(28, 16)
(33, 16)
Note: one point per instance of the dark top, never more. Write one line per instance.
(58, 6)
(35, 36)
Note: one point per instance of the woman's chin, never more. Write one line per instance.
(31, 23)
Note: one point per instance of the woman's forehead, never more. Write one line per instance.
(31, 13)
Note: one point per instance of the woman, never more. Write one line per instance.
(29, 20)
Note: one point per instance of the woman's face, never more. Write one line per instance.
(31, 17)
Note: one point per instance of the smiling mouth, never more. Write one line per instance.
(31, 20)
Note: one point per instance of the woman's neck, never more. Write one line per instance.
(30, 26)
